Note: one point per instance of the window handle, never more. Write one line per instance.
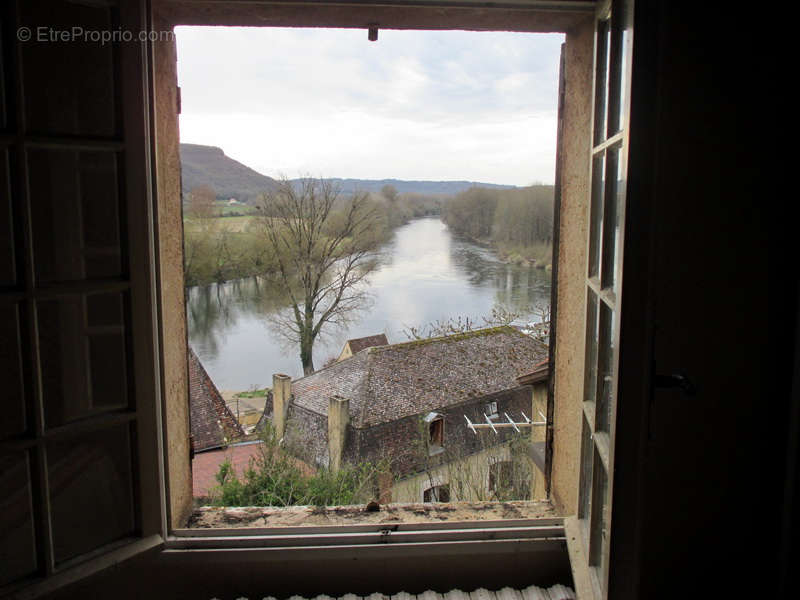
(676, 380)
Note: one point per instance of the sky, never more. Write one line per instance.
(419, 105)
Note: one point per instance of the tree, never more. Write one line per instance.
(390, 192)
(324, 246)
(201, 202)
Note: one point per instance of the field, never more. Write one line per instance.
(232, 224)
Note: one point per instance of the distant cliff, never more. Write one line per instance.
(208, 165)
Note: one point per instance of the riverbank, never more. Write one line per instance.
(526, 256)
(539, 256)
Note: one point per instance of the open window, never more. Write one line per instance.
(437, 493)
(131, 317)
(435, 430)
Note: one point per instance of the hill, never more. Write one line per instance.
(208, 165)
(424, 188)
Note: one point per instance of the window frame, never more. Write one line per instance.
(537, 17)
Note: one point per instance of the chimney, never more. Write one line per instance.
(338, 419)
(281, 396)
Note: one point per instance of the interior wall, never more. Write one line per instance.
(170, 257)
(570, 326)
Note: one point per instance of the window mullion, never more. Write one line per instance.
(602, 444)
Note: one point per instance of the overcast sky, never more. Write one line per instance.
(413, 105)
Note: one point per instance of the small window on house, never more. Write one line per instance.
(435, 423)
(491, 410)
(437, 493)
(500, 476)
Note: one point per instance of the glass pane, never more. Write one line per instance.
(68, 75)
(7, 254)
(601, 80)
(586, 471)
(618, 118)
(610, 219)
(13, 421)
(605, 383)
(590, 368)
(75, 210)
(596, 214)
(597, 526)
(3, 85)
(83, 357)
(18, 547)
(91, 491)
(104, 310)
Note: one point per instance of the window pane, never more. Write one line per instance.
(601, 80)
(91, 491)
(4, 87)
(13, 421)
(605, 383)
(597, 526)
(7, 253)
(619, 121)
(18, 547)
(73, 80)
(590, 369)
(75, 209)
(82, 356)
(596, 215)
(611, 218)
(586, 471)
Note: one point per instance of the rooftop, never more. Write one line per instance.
(211, 421)
(386, 383)
(359, 344)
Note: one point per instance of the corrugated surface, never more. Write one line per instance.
(556, 592)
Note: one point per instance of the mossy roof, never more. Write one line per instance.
(387, 383)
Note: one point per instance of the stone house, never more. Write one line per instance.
(405, 404)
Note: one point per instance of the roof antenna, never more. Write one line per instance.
(372, 33)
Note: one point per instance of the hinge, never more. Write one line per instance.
(676, 380)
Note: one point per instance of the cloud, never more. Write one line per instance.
(414, 105)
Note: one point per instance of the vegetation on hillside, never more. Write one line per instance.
(518, 222)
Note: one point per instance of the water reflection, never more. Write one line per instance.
(425, 274)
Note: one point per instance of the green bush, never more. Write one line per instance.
(274, 478)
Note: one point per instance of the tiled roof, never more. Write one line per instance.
(359, 344)
(390, 382)
(539, 373)
(210, 419)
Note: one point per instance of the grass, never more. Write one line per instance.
(252, 394)
(233, 224)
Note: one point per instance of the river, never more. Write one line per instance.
(425, 273)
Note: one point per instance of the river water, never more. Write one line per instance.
(425, 274)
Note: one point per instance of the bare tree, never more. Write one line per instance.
(324, 246)
(201, 202)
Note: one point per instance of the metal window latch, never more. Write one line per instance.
(676, 380)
